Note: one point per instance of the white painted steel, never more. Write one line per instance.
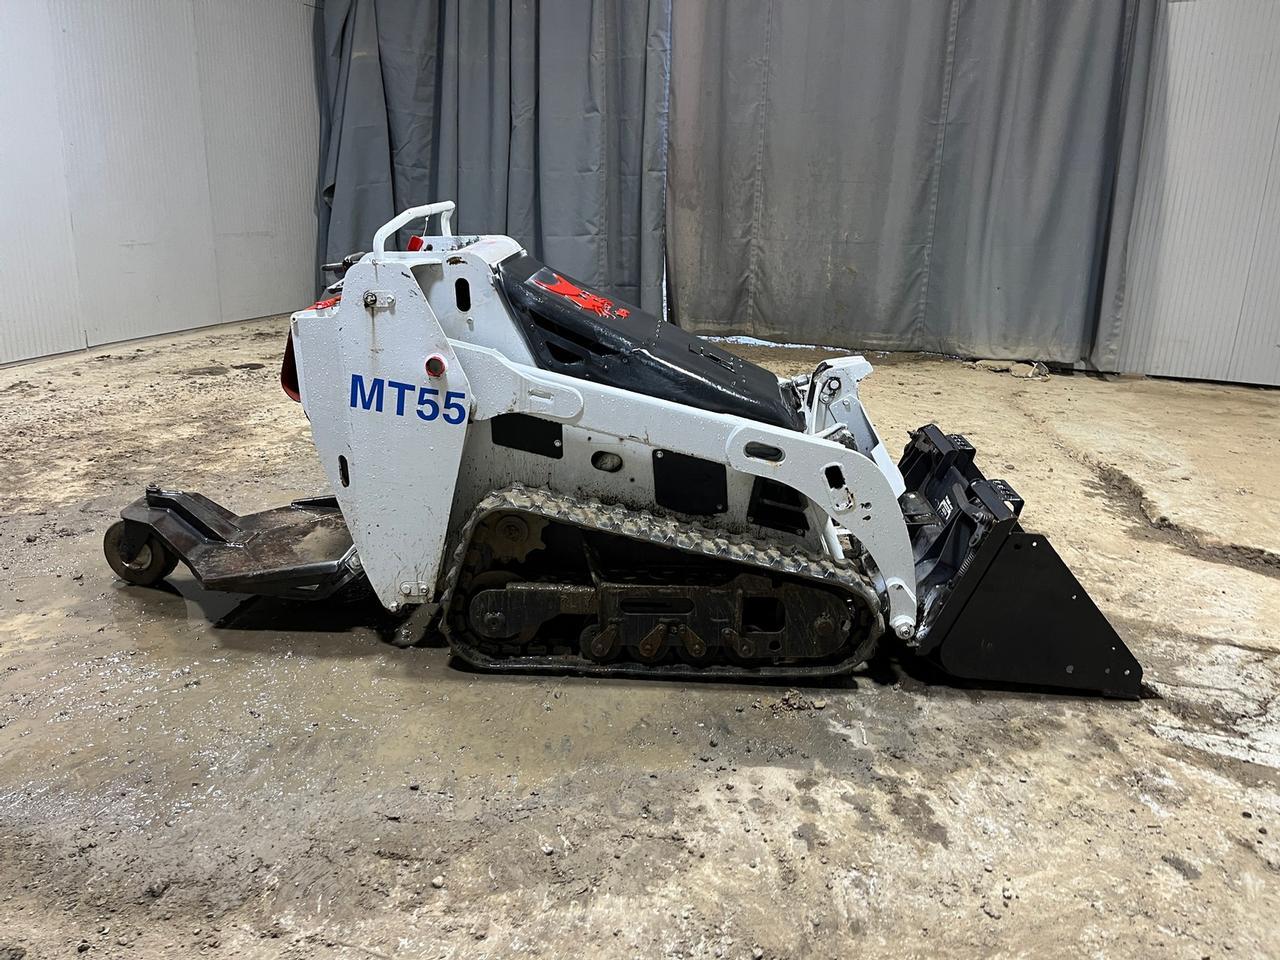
(486, 323)
(411, 483)
(427, 211)
(400, 469)
(833, 400)
(863, 501)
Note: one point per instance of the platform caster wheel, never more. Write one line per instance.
(153, 563)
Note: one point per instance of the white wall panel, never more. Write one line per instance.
(1255, 356)
(129, 99)
(168, 154)
(1204, 261)
(261, 122)
(39, 306)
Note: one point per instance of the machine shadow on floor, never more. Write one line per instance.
(339, 619)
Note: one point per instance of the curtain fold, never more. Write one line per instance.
(1137, 59)
(544, 120)
(925, 175)
(943, 175)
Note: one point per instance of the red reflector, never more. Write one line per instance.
(289, 371)
(416, 244)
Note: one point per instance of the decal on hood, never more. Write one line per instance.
(601, 306)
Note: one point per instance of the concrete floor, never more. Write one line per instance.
(180, 773)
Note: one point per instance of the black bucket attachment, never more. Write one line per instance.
(300, 551)
(998, 603)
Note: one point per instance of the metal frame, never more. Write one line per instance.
(863, 502)
(385, 327)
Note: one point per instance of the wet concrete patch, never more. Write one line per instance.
(213, 370)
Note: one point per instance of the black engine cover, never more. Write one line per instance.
(580, 333)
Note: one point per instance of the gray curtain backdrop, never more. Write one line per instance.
(1134, 103)
(903, 174)
(544, 119)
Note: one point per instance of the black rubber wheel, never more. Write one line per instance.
(154, 561)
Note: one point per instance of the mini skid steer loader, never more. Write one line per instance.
(562, 482)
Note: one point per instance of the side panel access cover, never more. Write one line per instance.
(389, 436)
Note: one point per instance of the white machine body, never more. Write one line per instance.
(401, 374)
(554, 481)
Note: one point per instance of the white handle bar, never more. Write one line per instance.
(444, 207)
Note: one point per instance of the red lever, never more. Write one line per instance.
(436, 365)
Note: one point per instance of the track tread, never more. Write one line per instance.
(678, 534)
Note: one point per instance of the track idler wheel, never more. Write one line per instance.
(149, 564)
(694, 649)
(600, 644)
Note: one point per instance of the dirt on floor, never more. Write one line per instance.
(184, 773)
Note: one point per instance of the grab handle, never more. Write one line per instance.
(443, 207)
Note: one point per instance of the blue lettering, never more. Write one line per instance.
(426, 398)
(401, 389)
(370, 394)
(454, 412)
(370, 398)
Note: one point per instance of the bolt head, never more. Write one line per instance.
(370, 298)
(513, 529)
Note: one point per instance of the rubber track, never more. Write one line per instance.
(591, 514)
